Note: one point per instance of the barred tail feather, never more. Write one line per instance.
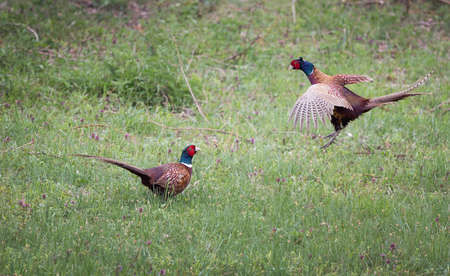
(399, 95)
(135, 170)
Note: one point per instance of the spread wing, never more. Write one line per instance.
(317, 102)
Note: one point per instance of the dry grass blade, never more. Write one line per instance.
(28, 28)
(44, 153)
(99, 125)
(32, 141)
(91, 125)
(185, 78)
(440, 105)
(293, 10)
(245, 50)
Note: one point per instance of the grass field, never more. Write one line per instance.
(94, 78)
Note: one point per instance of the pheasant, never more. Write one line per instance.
(166, 179)
(328, 97)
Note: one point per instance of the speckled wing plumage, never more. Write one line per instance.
(173, 177)
(344, 79)
(317, 102)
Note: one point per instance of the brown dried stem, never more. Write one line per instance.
(92, 125)
(28, 28)
(32, 141)
(185, 78)
(44, 153)
(98, 125)
(245, 50)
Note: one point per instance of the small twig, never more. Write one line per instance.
(185, 78)
(4, 4)
(23, 25)
(250, 23)
(446, 176)
(363, 3)
(441, 104)
(47, 54)
(79, 52)
(192, 58)
(32, 141)
(173, 64)
(371, 175)
(44, 153)
(245, 50)
(445, 1)
(364, 144)
(193, 185)
(271, 27)
(200, 128)
(91, 125)
(288, 132)
(167, 205)
(97, 125)
(445, 110)
(293, 10)
(231, 65)
(215, 144)
(250, 124)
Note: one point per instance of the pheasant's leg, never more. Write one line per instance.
(329, 135)
(333, 136)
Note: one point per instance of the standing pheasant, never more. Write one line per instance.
(328, 97)
(166, 179)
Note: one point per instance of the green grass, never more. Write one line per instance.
(386, 183)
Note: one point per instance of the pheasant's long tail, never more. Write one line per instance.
(137, 171)
(378, 101)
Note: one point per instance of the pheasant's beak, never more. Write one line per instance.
(198, 149)
(290, 67)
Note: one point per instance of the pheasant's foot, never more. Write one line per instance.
(333, 136)
(329, 135)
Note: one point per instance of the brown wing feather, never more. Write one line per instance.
(332, 94)
(169, 174)
(344, 79)
(316, 103)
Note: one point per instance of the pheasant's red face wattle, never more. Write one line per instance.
(295, 64)
(191, 150)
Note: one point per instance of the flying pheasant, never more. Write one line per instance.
(327, 97)
(166, 179)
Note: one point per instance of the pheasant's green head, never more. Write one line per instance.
(187, 154)
(305, 66)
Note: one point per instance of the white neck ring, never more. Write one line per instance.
(187, 165)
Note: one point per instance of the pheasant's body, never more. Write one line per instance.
(166, 179)
(170, 178)
(328, 97)
(342, 116)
